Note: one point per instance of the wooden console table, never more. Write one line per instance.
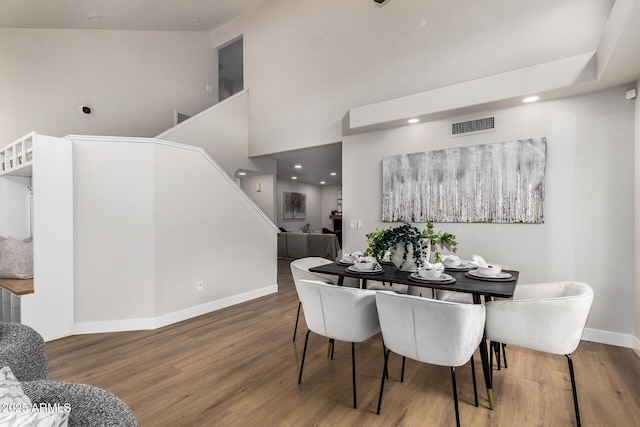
(17, 286)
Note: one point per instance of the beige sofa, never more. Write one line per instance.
(302, 245)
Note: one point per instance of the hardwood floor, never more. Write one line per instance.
(239, 367)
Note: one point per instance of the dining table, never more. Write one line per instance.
(459, 279)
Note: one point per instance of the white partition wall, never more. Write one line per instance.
(153, 219)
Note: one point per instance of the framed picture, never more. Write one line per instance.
(501, 183)
(294, 205)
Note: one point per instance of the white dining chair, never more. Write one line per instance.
(300, 271)
(430, 331)
(467, 298)
(547, 317)
(338, 313)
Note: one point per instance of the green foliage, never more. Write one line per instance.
(411, 238)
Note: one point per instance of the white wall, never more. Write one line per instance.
(329, 203)
(114, 242)
(133, 80)
(14, 207)
(222, 131)
(588, 203)
(637, 226)
(151, 220)
(263, 198)
(308, 62)
(206, 230)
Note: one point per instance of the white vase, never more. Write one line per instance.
(397, 256)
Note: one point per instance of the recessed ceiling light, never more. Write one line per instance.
(412, 121)
(322, 182)
(333, 174)
(294, 177)
(298, 166)
(531, 99)
(242, 173)
(93, 17)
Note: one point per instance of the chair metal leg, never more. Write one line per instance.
(304, 353)
(384, 371)
(332, 345)
(575, 390)
(404, 359)
(491, 348)
(497, 349)
(353, 369)
(455, 395)
(384, 352)
(295, 330)
(475, 386)
(504, 354)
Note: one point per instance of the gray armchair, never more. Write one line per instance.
(24, 351)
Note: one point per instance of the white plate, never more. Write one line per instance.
(501, 275)
(443, 278)
(461, 267)
(352, 269)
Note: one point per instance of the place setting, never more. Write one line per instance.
(349, 259)
(485, 271)
(432, 273)
(454, 263)
(365, 265)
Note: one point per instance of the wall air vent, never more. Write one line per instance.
(486, 124)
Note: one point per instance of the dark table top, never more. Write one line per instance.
(463, 283)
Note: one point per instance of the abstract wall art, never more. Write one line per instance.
(295, 205)
(500, 183)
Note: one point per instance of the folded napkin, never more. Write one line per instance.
(352, 257)
(435, 266)
(478, 261)
(451, 260)
(387, 256)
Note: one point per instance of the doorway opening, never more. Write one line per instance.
(230, 69)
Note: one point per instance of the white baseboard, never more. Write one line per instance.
(179, 316)
(170, 318)
(636, 345)
(610, 338)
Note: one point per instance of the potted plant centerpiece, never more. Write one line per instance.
(409, 246)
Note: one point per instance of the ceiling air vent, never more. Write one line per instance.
(486, 124)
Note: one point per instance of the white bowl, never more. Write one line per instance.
(366, 265)
(429, 273)
(492, 270)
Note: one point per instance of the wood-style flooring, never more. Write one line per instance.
(239, 367)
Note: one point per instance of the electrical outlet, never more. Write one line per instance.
(200, 286)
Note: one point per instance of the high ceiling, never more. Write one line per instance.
(617, 65)
(317, 164)
(156, 15)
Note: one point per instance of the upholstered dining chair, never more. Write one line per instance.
(300, 271)
(430, 331)
(338, 313)
(467, 298)
(547, 317)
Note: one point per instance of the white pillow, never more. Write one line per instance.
(16, 409)
(34, 419)
(16, 259)
(11, 395)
